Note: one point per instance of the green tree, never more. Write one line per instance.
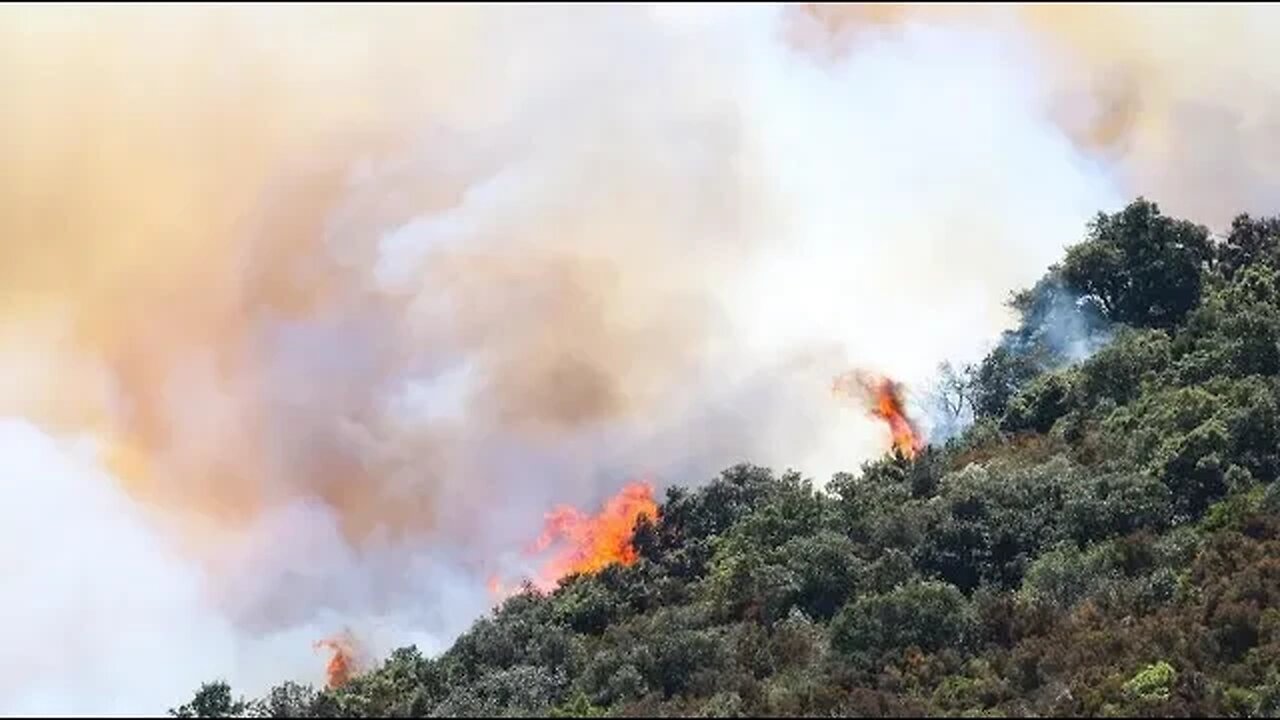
(1129, 510)
(212, 700)
(1119, 371)
(1251, 243)
(1040, 404)
(1140, 267)
(287, 700)
(1100, 506)
(925, 615)
(1061, 578)
(1000, 375)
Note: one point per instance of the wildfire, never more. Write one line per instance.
(883, 398)
(344, 662)
(580, 543)
(500, 590)
(591, 543)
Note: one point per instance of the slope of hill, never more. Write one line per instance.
(1102, 539)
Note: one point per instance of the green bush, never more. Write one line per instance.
(1100, 511)
(1153, 682)
(924, 615)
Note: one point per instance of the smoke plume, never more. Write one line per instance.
(309, 314)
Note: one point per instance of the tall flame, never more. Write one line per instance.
(583, 544)
(344, 663)
(591, 543)
(883, 398)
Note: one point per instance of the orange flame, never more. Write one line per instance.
(343, 664)
(589, 544)
(499, 591)
(583, 544)
(883, 397)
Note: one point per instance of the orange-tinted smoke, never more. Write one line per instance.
(344, 663)
(499, 591)
(883, 398)
(586, 544)
(172, 188)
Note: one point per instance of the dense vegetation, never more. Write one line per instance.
(1103, 538)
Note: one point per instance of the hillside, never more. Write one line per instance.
(1103, 538)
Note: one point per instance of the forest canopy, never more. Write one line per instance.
(1101, 537)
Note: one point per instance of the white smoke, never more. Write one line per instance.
(100, 616)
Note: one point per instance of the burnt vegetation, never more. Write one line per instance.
(1101, 538)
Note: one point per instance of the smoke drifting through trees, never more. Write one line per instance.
(322, 285)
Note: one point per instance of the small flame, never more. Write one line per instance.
(344, 663)
(499, 591)
(883, 398)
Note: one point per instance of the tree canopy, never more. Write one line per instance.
(1102, 539)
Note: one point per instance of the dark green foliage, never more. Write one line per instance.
(998, 378)
(1040, 404)
(926, 616)
(1251, 243)
(1118, 372)
(1106, 505)
(1140, 267)
(1102, 539)
(1236, 331)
